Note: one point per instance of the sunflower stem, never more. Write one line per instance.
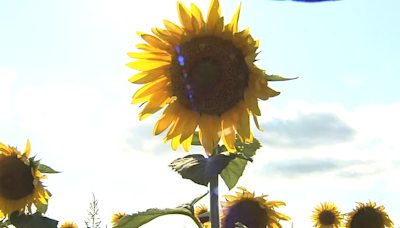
(214, 201)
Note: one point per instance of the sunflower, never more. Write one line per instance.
(368, 215)
(254, 212)
(327, 216)
(69, 225)
(20, 184)
(201, 210)
(116, 217)
(204, 72)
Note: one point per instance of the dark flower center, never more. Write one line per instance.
(327, 218)
(367, 218)
(209, 75)
(16, 180)
(249, 213)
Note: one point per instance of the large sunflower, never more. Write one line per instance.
(251, 211)
(116, 217)
(327, 216)
(20, 184)
(368, 215)
(204, 73)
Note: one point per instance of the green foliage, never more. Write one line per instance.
(138, 219)
(141, 218)
(190, 205)
(200, 169)
(232, 173)
(42, 168)
(32, 221)
(274, 77)
(93, 221)
(4, 223)
(196, 139)
(46, 169)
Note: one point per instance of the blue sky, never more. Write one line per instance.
(332, 134)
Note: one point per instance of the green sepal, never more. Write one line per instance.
(32, 221)
(274, 77)
(45, 169)
(196, 139)
(200, 169)
(138, 219)
(234, 170)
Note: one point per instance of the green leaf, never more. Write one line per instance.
(200, 169)
(42, 207)
(191, 167)
(32, 221)
(190, 205)
(138, 219)
(274, 77)
(45, 169)
(196, 139)
(232, 173)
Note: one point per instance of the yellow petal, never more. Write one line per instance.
(186, 144)
(219, 26)
(179, 124)
(175, 142)
(167, 118)
(228, 132)
(196, 13)
(145, 65)
(243, 127)
(233, 26)
(157, 101)
(185, 16)
(190, 126)
(148, 76)
(155, 42)
(151, 56)
(265, 93)
(148, 48)
(27, 148)
(150, 88)
(252, 103)
(214, 14)
(165, 35)
(171, 27)
(256, 122)
(206, 133)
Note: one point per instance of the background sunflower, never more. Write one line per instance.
(204, 73)
(20, 184)
(251, 211)
(368, 215)
(327, 216)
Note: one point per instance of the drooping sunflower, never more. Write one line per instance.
(20, 184)
(69, 225)
(201, 210)
(368, 215)
(327, 216)
(251, 211)
(204, 72)
(116, 217)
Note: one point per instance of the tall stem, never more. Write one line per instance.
(214, 201)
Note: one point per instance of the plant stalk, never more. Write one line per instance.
(214, 199)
